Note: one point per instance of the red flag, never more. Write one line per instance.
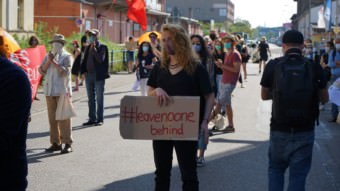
(137, 12)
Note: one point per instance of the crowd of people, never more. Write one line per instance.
(176, 64)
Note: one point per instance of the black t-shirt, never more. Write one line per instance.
(15, 103)
(263, 47)
(182, 84)
(268, 78)
(145, 61)
(218, 70)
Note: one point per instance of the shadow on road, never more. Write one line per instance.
(35, 158)
(239, 169)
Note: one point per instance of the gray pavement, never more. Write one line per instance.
(102, 160)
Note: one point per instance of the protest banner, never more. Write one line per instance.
(142, 118)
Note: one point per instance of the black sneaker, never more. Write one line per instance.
(53, 147)
(99, 123)
(89, 123)
(66, 149)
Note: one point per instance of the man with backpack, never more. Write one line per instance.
(296, 85)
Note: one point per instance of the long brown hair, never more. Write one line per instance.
(186, 57)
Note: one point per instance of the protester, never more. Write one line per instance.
(231, 72)
(218, 56)
(15, 101)
(145, 62)
(33, 42)
(264, 50)
(57, 85)
(130, 46)
(245, 57)
(179, 74)
(95, 68)
(294, 112)
(324, 59)
(76, 64)
(202, 48)
(84, 44)
(334, 64)
(156, 47)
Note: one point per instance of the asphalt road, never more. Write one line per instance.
(102, 160)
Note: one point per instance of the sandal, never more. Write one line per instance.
(229, 129)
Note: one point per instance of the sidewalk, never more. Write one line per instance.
(115, 81)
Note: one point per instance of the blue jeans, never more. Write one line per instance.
(335, 108)
(95, 92)
(293, 150)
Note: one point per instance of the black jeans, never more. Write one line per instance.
(186, 155)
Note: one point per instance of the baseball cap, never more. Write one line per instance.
(292, 36)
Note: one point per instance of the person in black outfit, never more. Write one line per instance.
(76, 63)
(263, 49)
(179, 74)
(15, 101)
(294, 112)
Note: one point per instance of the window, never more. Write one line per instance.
(20, 14)
(223, 12)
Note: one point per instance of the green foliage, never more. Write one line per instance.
(240, 26)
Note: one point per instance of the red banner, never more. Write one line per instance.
(137, 12)
(29, 60)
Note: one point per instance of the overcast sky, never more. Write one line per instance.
(269, 13)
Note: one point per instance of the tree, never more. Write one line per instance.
(240, 26)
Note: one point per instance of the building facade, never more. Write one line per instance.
(17, 16)
(106, 15)
(202, 10)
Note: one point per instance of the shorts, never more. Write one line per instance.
(224, 94)
(264, 57)
(130, 56)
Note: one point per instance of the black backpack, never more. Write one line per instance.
(295, 92)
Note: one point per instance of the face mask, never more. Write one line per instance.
(91, 39)
(153, 39)
(170, 48)
(227, 45)
(197, 47)
(145, 48)
(218, 47)
(326, 49)
(337, 46)
(56, 47)
(212, 36)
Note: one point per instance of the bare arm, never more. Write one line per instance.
(234, 69)
(265, 94)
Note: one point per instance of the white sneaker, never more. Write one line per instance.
(200, 162)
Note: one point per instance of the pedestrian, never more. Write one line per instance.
(130, 46)
(179, 74)
(145, 62)
(15, 101)
(334, 64)
(239, 49)
(218, 56)
(156, 47)
(245, 58)
(231, 72)
(57, 86)
(76, 64)
(95, 68)
(263, 49)
(201, 47)
(294, 112)
(33, 42)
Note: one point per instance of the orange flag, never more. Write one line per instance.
(137, 12)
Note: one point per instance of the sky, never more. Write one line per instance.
(269, 13)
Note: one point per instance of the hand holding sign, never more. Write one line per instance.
(163, 97)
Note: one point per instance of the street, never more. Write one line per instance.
(102, 160)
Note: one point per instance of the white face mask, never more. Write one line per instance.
(56, 48)
(337, 46)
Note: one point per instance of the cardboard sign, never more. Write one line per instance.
(142, 118)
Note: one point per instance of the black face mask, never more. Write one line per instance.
(212, 36)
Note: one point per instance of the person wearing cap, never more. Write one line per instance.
(95, 68)
(263, 49)
(76, 64)
(231, 72)
(57, 74)
(156, 48)
(291, 141)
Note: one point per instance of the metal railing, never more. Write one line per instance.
(119, 56)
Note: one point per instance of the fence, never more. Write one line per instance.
(118, 60)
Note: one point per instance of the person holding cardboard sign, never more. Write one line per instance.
(179, 74)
